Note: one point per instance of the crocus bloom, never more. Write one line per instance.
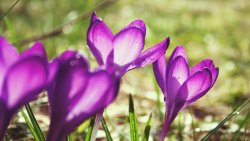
(180, 85)
(122, 52)
(76, 94)
(22, 77)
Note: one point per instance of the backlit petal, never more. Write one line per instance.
(99, 40)
(128, 45)
(151, 55)
(28, 76)
(176, 75)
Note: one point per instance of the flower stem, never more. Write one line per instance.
(96, 125)
(164, 131)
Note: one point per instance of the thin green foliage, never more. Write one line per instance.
(5, 13)
(104, 125)
(132, 120)
(192, 122)
(27, 120)
(90, 129)
(146, 133)
(245, 121)
(232, 114)
(69, 138)
(34, 122)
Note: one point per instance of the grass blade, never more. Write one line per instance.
(245, 121)
(233, 113)
(132, 120)
(90, 129)
(34, 122)
(104, 125)
(147, 129)
(4, 14)
(33, 132)
(69, 138)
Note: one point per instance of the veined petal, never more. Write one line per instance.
(195, 87)
(176, 75)
(36, 50)
(98, 94)
(207, 63)
(128, 45)
(159, 67)
(178, 51)
(151, 54)
(137, 23)
(99, 40)
(29, 77)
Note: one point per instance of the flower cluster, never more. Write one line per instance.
(76, 93)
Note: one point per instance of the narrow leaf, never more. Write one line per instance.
(34, 122)
(147, 129)
(245, 121)
(69, 138)
(132, 120)
(33, 132)
(90, 129)
(104, 125)
(233, 113)
(5, 13)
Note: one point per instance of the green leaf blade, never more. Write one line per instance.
(147, 129)
(132, 120)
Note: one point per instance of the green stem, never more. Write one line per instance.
(233, 113)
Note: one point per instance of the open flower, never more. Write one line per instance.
(123, 51)
(22, 77)
(76, 94)
(180, 85)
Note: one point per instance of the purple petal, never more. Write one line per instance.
(72, 58)
(207, 63)
(93, 17)
(137, 23)
(36, 50)
(29, 77)
(151, 54)
(8, 53)
(82, 94)
(178, 51)
(195, 87)
(176, 75)
(159, 67)
(99, 40)
(53, 69)
(128, 45)
(215, 73)
(92, 99)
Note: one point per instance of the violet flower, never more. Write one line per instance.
(122, 52)
(76, 94)
(22, 77)
(182, 86)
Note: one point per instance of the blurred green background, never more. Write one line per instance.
(216, 29)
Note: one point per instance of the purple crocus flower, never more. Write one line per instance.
(180, 85)
(122, 52)
(76, 94)
(22, 77)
